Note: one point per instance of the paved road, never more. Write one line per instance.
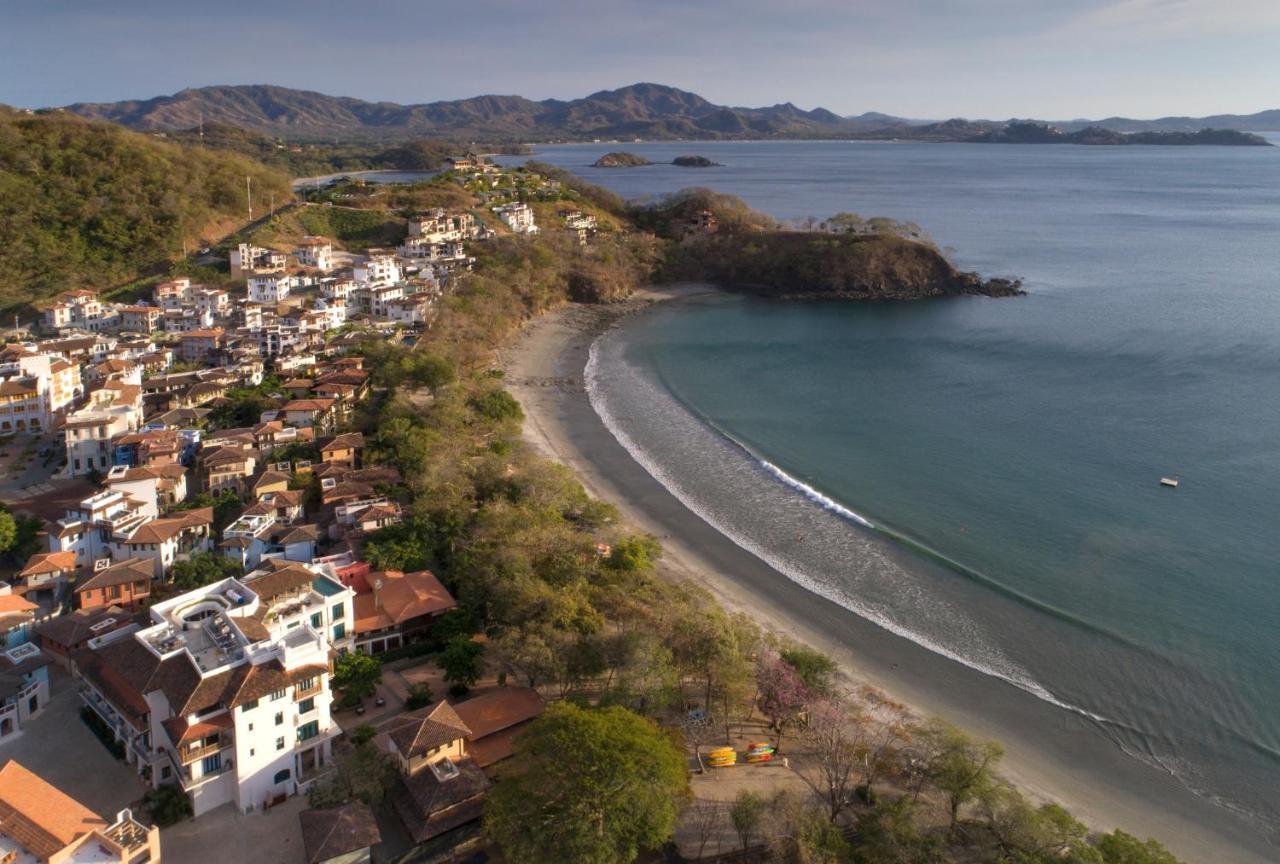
(60, 748)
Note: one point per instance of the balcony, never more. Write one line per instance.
(194, 754)
(314, 690)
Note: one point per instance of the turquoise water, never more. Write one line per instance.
(1020, 442)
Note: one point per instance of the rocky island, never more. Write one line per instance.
(694, 162)
(717, 238)
(620, 159)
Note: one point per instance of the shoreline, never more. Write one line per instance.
(1051, 753)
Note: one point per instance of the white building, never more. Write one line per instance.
(518, 217)
(174, 294)
(270, 287)
(440, 226)
(246, 257)
(315, 252)
(88, 432)
(380, 268)
(227, 693)
(35, 390)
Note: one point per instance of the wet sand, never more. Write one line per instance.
(1051, 753)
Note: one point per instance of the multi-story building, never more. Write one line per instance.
(213, 301)
(378, 269)
(127, 585)
(315, 252)
(247, 257)
(441, 226)
(42, 823)
(111, 411)
(24, 686)
(141, 319)
(201, 345)
(36, 390)
(76, 309)
(270, 286)
(227, 692)
(518, 217)
(174, 294)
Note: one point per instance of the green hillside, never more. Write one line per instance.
(89, 204)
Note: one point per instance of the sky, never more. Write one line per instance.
(928, 59)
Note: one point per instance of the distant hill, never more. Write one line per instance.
(649, 111)
(637, 111)
(89, 204)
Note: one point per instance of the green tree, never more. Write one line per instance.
(357, 675)
(1026, 833)
(419, 696)
(961, 768)
(890, 834)
(1121, 848)
(588, 786)
(746, 812)
(497, 405)
(8, 531)
(364, 772)
(168, 805)
(462, 661)
(634, 554)
(202, 568)
(815, 669)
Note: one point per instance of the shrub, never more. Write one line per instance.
(168, 805)
(102, 732)
(420, 696)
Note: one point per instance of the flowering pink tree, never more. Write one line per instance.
(783, 695)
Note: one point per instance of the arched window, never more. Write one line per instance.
(282, 776)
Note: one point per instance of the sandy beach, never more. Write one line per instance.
(1051, 753)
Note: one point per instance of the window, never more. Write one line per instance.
(249, 706)
(279, 743)
(279, 694)
(317, 620)
(282, 776)
(339, 611)
(309, 730)
(250, 727)
(306, 684)
(211, 764)
(115, 592)
(251, 751)
(339, 630)
(306, 706)
(279, 718)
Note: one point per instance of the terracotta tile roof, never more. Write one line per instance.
(124, 573)
(160, 530)
(308, 405)
(300, 534)
(499, 709)
(429, 807)
(13, 603)
(285, 579)
(346, 441)
(74, 628)
(265, 679)
(180, 731)
(401, 597)
(49, 562)
(417, 732)
(270, 476)
(39, 816)
(328, 834)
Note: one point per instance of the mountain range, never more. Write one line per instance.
(650, 111)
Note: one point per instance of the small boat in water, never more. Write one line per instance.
(1171, 482)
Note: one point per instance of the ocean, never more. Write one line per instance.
(982, 476)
